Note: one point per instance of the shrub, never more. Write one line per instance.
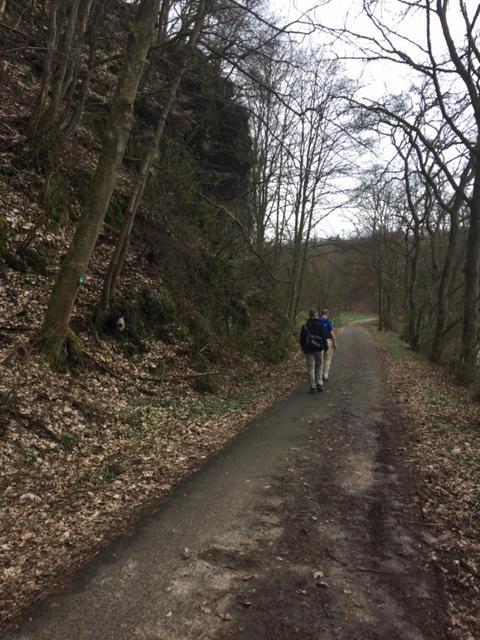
(183, 332)
(10, 258)
(206, 384)
(157, 307)
(56, 200)
(37, 262)
(69, 440)
(143, 311)
(274, 341)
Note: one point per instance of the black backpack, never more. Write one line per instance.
(311, 341)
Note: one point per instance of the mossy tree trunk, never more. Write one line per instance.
(444, 265)
(74, 265)
(123, 243)
(442, 304)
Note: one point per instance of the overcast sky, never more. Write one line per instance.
(377, 78)
(376, 81)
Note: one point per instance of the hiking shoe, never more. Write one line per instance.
(319, 387)
(312, 389)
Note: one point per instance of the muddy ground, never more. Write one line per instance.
(306, 526)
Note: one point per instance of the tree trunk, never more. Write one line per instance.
(52, 40)
(60, 80)
(303, 264)
(123, 243)
(380, 301)
(3, 6)
(413, 336)
(74, 265)
(388, 310)
(99, 12)
(74, 72)
(442, 305)
(472, 264)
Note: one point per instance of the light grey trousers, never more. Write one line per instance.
(315, 367)
(327, 361)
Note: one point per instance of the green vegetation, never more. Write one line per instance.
(145, 311)
(273, 342)
(106, 475)
(208, 383)
(209, 406)
(12, 260)
(392, 342)
(35, 260)
(301, 319)
(467, 460)
(340, 320)
(345, 317)
(69, 440)
(442, 428)
(57, 200)
(436, 398)
(396, 347)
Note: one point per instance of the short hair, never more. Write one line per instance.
(325, 311)
(313, 312)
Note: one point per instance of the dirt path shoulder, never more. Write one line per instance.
(439, 430)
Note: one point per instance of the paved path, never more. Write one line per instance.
(303, 527)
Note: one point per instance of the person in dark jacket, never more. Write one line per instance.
(313, 340)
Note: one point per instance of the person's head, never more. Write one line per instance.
(313, 313)
(325, 313)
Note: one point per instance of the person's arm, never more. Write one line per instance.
(334, 339)
(302, 338)
(324, 338)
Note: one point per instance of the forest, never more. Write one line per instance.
(180, 180)
(161, 123)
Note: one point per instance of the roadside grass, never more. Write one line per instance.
(345, 317)
(391, 342)
(397, 347)
(190, 407)
(442, 444)
(210, 406)
(447, 410)
(340, 320)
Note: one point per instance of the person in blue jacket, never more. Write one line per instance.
(332, 342)
(313, 340)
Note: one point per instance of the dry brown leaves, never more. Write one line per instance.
(82, 455)
(443, 446)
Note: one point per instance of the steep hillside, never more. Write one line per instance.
(191, 347)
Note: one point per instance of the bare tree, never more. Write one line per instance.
(68, 22)
(453, 79)
(120, 252)
(74, 265)
(379, 231)
(318, 141)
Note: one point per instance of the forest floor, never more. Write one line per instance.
(441, 446)
(332, 516)
(84, 454)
